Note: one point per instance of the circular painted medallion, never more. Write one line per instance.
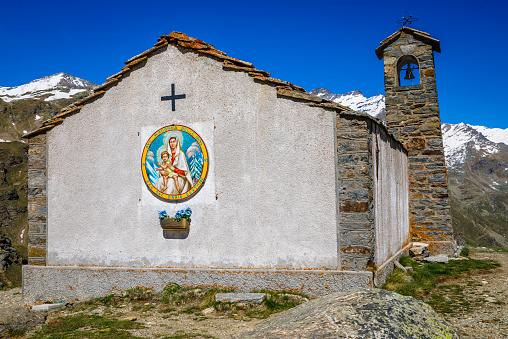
(174, 162)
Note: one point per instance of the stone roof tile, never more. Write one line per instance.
(284, 88)
(423, 36)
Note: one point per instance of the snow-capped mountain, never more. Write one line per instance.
(462, 140)
(355, 100)
(52, 87)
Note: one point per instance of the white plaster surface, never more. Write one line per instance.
(391, 196)
(268, 201)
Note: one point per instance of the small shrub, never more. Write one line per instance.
(464, 252)
(139, 293)
(167, 293)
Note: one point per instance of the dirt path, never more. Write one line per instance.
(483, 312)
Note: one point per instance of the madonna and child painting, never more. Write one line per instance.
(174, 162)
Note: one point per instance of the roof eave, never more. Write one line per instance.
(422, 36)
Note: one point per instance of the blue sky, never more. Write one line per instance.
(309, 43)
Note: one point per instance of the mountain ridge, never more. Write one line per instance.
(52, 87)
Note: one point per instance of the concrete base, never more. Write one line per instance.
(48, 283)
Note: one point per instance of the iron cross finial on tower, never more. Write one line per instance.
(407, 19)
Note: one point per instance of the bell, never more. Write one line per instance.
(409, 73)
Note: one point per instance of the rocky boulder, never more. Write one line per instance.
(356, 314)
(8, 254)
(17, 319)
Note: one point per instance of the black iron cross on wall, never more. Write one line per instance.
(173, 97)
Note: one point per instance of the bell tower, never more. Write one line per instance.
(412, 115)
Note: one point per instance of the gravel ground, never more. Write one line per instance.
(487, 292)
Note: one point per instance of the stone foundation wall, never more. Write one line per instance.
(412, 115)
(48, 283)
(37, 208)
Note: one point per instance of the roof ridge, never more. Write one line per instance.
(182, 40)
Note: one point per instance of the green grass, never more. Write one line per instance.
(87, 326)
(181, 334)
(422, 282)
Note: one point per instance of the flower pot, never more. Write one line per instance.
(172, 224)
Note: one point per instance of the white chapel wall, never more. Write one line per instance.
(391, 194)
(269, 199)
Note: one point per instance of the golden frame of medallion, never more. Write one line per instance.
(200, 181)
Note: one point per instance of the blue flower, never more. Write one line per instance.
(186, 213)
(163, 214)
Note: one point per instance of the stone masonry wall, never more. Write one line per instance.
(356, 215)
(37, 210)
(412, 114)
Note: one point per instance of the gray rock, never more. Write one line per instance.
(17, 319)
(365, 314)
(240, 297)
(441, 258)
(47, 307)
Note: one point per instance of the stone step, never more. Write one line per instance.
(240, 297)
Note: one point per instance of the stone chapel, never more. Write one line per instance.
(287, 190)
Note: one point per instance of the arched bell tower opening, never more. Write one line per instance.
(412, 115)
(408, 71)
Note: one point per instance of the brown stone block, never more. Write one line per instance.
(36, 252)
(37, 150)
(354, 206)
(417, 143)
(37, 261)
(429, 72)
(356, 250)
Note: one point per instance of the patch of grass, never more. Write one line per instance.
(192, 309)
(14, 275)
(425, 276)
(276, 302)
(15, 334)
(87, 326)
(139, 293)
(148, 308)
(108, 299)
(169, 290)
(167, 310)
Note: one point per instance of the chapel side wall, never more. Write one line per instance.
(391, 192)
(37, 208)
(355, 196)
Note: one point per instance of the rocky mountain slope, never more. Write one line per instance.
(477, 164)
(23, 109)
